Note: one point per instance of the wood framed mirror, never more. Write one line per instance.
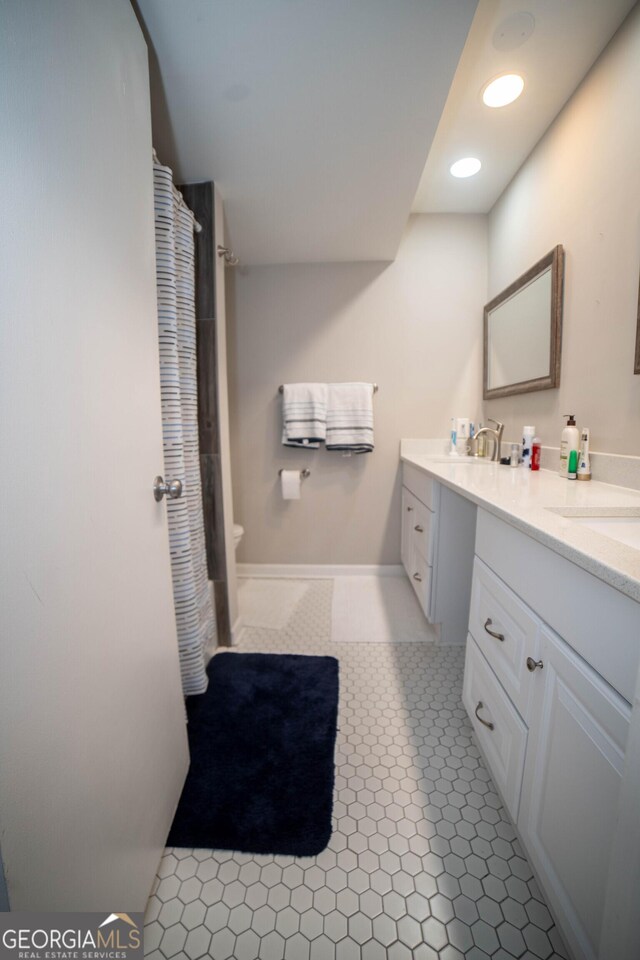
(523, 331)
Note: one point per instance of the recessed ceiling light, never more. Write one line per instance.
(465, 167)
(503, 90)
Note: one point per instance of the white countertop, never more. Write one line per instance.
(522, 498)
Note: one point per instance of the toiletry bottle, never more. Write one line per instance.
(536, 451)
(584, 462)
(570, 441)
(462, 428)
(528, 433)
(572, 470)
(452, 445)
(462, 436)
(482, 442)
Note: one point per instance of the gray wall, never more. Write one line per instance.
(581, 187)
(413, 326)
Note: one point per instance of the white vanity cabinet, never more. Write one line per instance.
(419, 495)
(552, 727)
(438, 535)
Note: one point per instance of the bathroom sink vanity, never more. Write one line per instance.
(551, 667)
(438, 533)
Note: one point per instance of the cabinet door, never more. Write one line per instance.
(569, 803)
(406, 545)
(420, 576)
(423, 532)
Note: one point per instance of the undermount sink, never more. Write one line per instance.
(617, 523)
(461, 461)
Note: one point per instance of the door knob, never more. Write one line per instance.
(172, 489)
(532, 664)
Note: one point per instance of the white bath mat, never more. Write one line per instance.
(377, 610)
(269, 603)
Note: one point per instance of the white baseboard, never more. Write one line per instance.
(318, 571)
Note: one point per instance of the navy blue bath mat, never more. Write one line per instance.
(262, 740)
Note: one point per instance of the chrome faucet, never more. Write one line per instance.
(496, 436)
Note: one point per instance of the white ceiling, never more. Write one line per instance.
(567, 38)
(314, 117)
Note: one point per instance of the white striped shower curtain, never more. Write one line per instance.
(175, 278)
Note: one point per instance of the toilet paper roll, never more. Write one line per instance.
(290, 484)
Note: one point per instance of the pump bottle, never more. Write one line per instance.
(570, 441)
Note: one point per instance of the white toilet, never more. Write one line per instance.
(238, 532)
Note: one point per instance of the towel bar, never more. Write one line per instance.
(303, 473)
(281, 388)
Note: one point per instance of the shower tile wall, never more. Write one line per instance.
(423, 862)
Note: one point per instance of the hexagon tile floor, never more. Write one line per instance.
(423, 862)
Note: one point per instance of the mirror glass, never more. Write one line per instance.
(522, 328)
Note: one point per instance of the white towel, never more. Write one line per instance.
(350, 417)
(304, 414)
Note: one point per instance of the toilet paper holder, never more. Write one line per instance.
(303, 473)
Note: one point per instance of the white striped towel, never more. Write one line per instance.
(350, 417)
(304, 414)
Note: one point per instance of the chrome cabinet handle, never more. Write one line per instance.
(492, 633)
(173, 489)
(532, 664)
(417, 577)
(487, 723)
(419, 528)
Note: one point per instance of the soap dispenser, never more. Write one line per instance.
(570, 441)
